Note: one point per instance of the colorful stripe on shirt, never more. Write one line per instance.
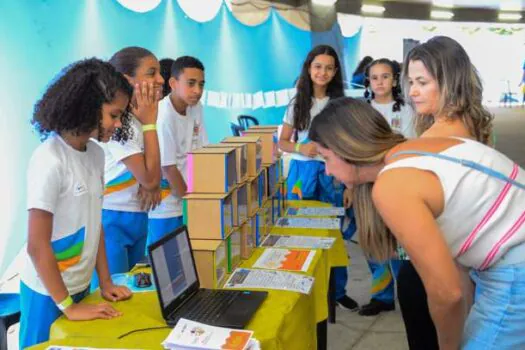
(164, 189)
(120, 183)
(68, 250)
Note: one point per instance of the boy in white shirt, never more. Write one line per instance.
(180, 127)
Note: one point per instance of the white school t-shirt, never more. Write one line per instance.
(120, 192)
(302, 136)
(178, 135)
(69, 184)
(401, 121)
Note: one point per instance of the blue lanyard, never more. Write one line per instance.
(467, 163)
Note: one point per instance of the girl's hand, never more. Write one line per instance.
(146, 103)
(308, 150)
(112, 292)
(149, 200)
(85, 312)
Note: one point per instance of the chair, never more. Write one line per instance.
(9, 315)
(246, 121)
(236, 129)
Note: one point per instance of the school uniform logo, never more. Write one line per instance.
(196, 129)
(396, 123)
(79, 189)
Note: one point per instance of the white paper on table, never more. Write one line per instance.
(214, 99)
(285, 259)
(189, 334)
(254, 345)
(282, 98)
(60, 347)
(269, 99)
(308, 242)
(269, 279)
(316, 211)
(258, 100)
(314, 223)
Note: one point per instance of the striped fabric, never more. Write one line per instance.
(68, 250)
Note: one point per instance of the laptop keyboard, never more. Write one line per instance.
(208, 305)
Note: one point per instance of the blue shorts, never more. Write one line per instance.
(497, 318)
(158, 228)
(125, 234)
(37, 314)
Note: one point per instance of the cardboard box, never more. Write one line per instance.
(234, 250)
(235, 208)
(242, 203)
(264, 127)
(263, 183)
(248, 240)
(252, 225)
(254, 149)
(211, 170)
(254, 197)
(272, 178)
(209, 215)
(211, 259)
(241, 152)
(270, 149)
(265, 220)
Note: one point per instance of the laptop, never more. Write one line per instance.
(179, 290)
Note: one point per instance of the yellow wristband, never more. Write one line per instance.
(64, 304)
(149, 127)
(297, 146)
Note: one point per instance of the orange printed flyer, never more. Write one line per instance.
(189, 334)
(285, 259)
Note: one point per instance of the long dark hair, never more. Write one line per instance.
(303, 99)
(396, 90)
(126, 61)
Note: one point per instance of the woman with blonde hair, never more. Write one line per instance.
(452, 203)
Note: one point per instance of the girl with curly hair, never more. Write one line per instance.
(65, 242)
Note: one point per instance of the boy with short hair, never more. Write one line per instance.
(181, 129)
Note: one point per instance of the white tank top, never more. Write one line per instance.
(482, 216)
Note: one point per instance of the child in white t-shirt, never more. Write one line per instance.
(382, 77)
(65, 187)
(181, 129)
(132, 170)
(320, 81)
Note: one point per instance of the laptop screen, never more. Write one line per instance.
(174, 267)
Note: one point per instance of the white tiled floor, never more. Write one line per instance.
(385, 331)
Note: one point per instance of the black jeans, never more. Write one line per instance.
(421, 333)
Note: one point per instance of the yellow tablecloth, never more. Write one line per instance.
(337, 255)
(286, 320)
